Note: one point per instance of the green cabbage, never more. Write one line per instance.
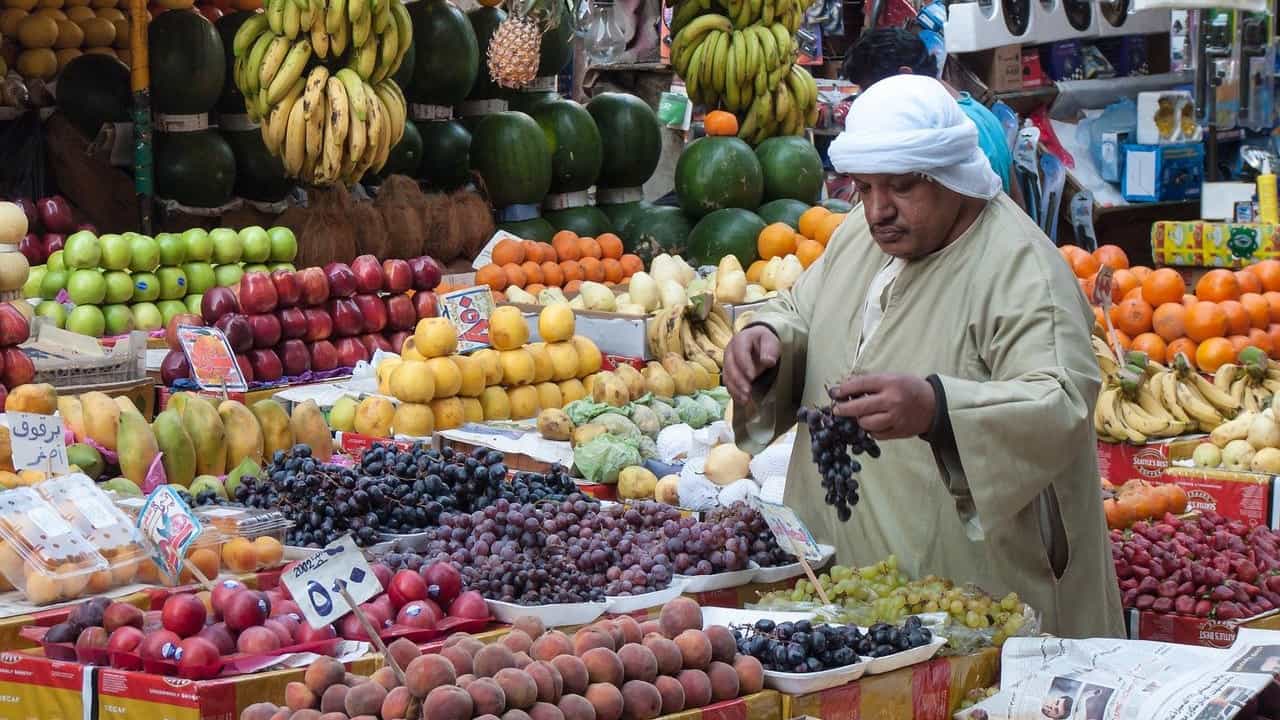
(600, 460)
(692, 413)
(584, 411)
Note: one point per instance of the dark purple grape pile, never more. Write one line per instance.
(748, 524)
(834, 441)
(802, 647)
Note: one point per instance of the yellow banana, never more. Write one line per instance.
(357, 9)
(314, 107)
(295, 141)
(1197, 407)
(292, 20)
(253, 66)
(248, 34)
(337, 124)
(1222, 401)
(278, 118)
(295, 62)
(335, 16)
(275, 15)
(319, 37)
(272, 60)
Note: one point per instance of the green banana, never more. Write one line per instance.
(363, 58)
(292, 20)
(275, 15)
(683, 15)
(355, 92)
(272, 61)
(696, 29)
(382, 16)
(357, 9)
(388, 51)
(732, 99)
(692, 74)
(294, 63)
(335, 16)
(404, 31)
(253, 66)
(248, 33)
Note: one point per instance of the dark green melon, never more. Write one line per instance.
(784, 210)
(655, 230)
(730, 231)
(94, 89)
(259, 174)
(405, 157)
(719, 172)
(187, 61)
(557, 44)
(575, 145)
(446, 154)
(792, 169)
(198, 169)
(534, 229)
(446, 55)
(230, 101)
(586, 221)
(631, 137)
(510, 153)
(620, 214)
(527, 102)
(484, 21)
(403, 76)
(836, 205)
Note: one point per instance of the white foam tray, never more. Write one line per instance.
(778, 573)
(914, 656)
(622, 604)
(718, 581)
(557, 615)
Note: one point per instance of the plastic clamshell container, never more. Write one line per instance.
(211, 538)
(83, 504)
(43, 555)
(249, 523)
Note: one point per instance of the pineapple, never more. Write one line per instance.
(513, 51)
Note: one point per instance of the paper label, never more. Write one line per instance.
(618, 196)
(482, 107)
(182, 123)
(785, 525)
(50, 523)
(314, 583)
(169, 527)
(1102, 287)
(469, 310)
(565, 201)
(430, 113)
(486, 253)
(212, 361)
(546, 83)
(38, 443)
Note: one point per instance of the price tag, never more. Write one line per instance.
(486, 253)
(469, 310)
(37, 442)
(169, 527)
(211, 358)
(315, 582)
(420, 112)
(783, 522)
(1102, 287)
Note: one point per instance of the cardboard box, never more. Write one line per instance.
(1245, 496)
(32, 686)
(1186, 630)
(1000, 68)
(1162, 173)
(1119, 462)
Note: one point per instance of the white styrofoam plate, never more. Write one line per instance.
(791, 683)
(743, 616)
(779, 573)
(622, 604)
(899, 660)
(718, 581)
(556, 615)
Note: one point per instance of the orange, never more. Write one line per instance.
(1141, 272)
(1163, 286)
(1084, 264)
(828, 226)
(1261, 339)
(1189, 300)
(631, 264)
(572, 286)
(1123, 282)
(719, 122)
(572, 270)
(269, 551)
(1168, 321)
(1218, 285)
(810, 219)
(1132, 316)
(547, 253)
(1268, 272)
(1181, 346)
(532, 271)
(1205, 320)
(1274, 331)
(508, 251)
(534, 288)
(1249, 281)
(565, 244)
(1135, 294)
(531, 251)
(515, 275)
(776, 240)
(1273, 304)
(1121, 337)
(589, 248)
(1213, 353)
(1238, 343)
(1237, 318)
(238, 555)
(757, 268)
(807, 252)
(610, 245)
(1112, 256)
(493, 276)
(592, 269)
(612, 270)
(552, 274)
(1258, 309)
(1151, 344)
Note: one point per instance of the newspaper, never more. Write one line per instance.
(1105, 679)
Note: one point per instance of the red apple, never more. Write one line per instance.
(427, 272)
(373, 310)
(159, 645)
(349, 627)
(400, 312)
(469, 604)
(174, 367)
(222, 592)
(342, 282)
(420, 614)
(118, 615)
(52, 242)
(319, 324)
(308, 634)
(33, 248)
(266, 365)
(238, 331)
(28, 209)
(347, 319)
(285, 606)
(220, 636)
(396, 340)
(198, 659)
(244, 609)
(90, 645)
(14, 329)
(258, 640)
(426, 304)
(397, 274)
(171, 330)
(368, 272)
(294, 357)
(383, 573)
(283, 632)
(217, 302)
(55, 214)
(374, 342)
(324, 356)
(293, 323)
(288, 292)
(406, 586)
(383, 605)
(257, 293)
(314, 285)
(246, 367)
(444, 582)
(266, 329)
(126, 639)
(350, 351)
(183, 614)
(18, 368)
(87, 226)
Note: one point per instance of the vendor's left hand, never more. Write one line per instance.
(889, 406)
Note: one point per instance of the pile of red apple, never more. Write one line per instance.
(1203, 567)
(16, 367)
(49, 221)
(284, 324)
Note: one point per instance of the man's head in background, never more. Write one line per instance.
(884, 52)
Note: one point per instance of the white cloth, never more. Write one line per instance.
(911, 124)
(873, 304)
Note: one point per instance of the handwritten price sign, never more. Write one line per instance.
(37, 442)
(212, 361)
(790, 531)
(170, 527)
(316, 583)
(469, 310)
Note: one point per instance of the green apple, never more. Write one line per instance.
(57, 261)
(123, 487)
(146, 254)
(52, 283)
(31, 288)
(282, 266)
(81, 250)
(169, 308)
(227, 246)
(52, 311)
(228, 275)
(257, 244)
(146, 316)
(86, 287)
(284, 246)
(256, 267)
(193, 303)
(119, 287)
(200, 277)
(342, 416)
(209, 483)
(146, 287)
(116, 252)
(87, 320)
(119, 319)
(199, 246)
(173, 249)
(173, 283)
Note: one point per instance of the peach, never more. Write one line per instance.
(396, 704)
(551, 645)
(724, 681)
(695, 649)
(591, 637)
(365, 699)
(447, 702)
(334, 699)
(518, 640)
(576, 707)
(666, 652)
(547, 677)
(297, 696)
(465, 641)
(573, 672)
(530, 625)
(651, 626)
(523, 660)
(404, 651)
(612, 630)
(750, 674)
(487, 696)
(545, 711)
(630, 628)
(679, 615)
(259, 711)
(638, 662)
(672, 693)
(515, 715)
(640, 701)
(492, 658)
(322, 673)
(460, 658)
(697, 688)
(386, 677)
(606, 699)
(428, 672)
(723, 646)
(519, 686)
(603, 666)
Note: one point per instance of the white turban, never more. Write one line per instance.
(911, 124)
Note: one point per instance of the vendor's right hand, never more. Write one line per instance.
(750, 354)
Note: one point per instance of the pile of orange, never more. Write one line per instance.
(1139, 500)
(816, 226)
(1153, 311)
(565, 263)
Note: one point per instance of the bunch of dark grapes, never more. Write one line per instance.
(834, 442)
(748, 524)
(803, 647)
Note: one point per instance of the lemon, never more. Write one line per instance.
(98, 32)
(38, 63)
(37, 31)
(69, 35)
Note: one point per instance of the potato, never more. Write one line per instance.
(554, 424)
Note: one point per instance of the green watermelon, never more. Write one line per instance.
(586, 221)
(403, 75)
(510, 153)
(446, 57)
(198, 169)
(719, 172)
(556, 49)
(655, 230)
(188, 63)
(729, 231)
(230, 101)
(259, 174)
(448, 165)
(836, 205)
(94, 89)
(784, 210)
(792, 169)
(527, 102)
(575, 145)
(631, 137)
(405, 157)
(484, 21)
(535, 229)
(620, 214)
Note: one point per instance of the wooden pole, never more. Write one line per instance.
(140, 84)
